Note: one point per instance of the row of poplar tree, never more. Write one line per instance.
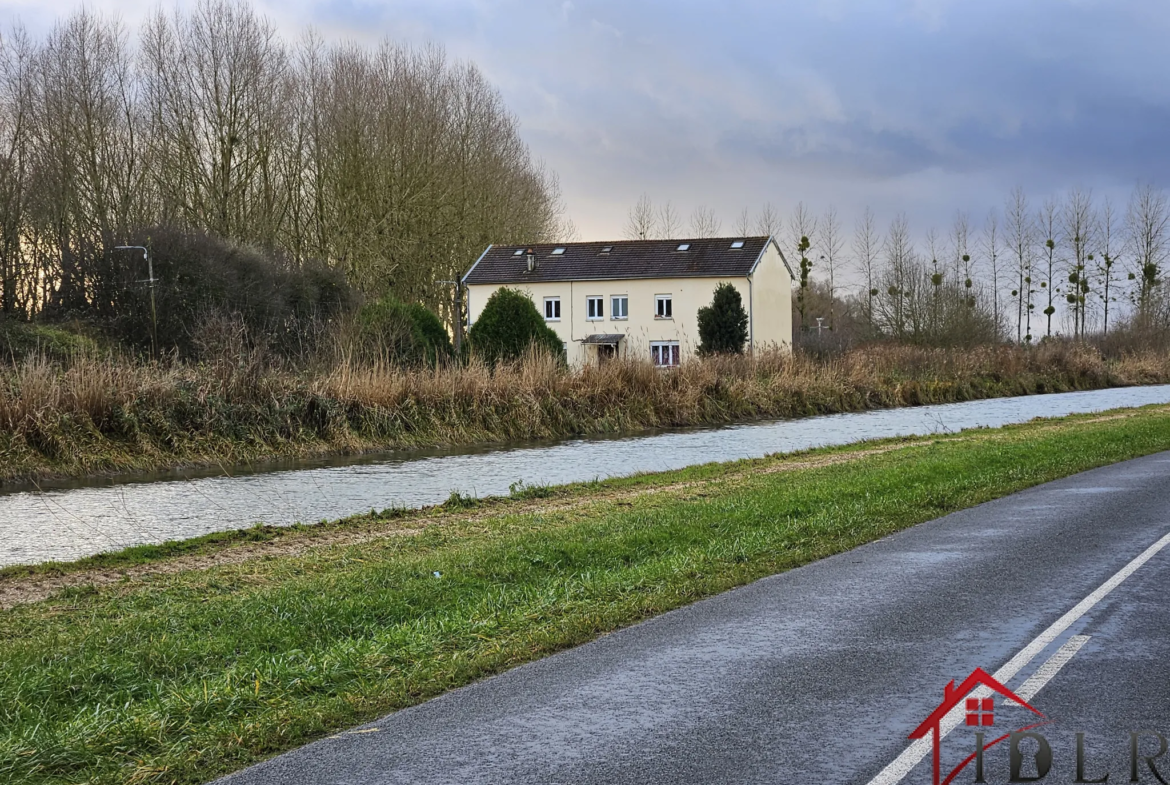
(394, 164)
(1071, 264)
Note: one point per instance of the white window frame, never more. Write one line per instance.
(661, 300)
(673, 354)
(552, 301)
(614, 299)
(592, 314)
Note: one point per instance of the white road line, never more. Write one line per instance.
(1050, 668)
(900, 766)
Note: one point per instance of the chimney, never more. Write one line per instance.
(531, 260)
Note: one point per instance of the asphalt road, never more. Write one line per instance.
(818, 675)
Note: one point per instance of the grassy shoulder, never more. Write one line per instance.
(180, 675)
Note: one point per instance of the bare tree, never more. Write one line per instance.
(16, 72)
(704, 222)
(669, 223)
(743, 223)
(769, 222)
(1078, 221)
(1146, 220)
(802, 227)
(832, 242)
(1020, 229)
(960, 242)
(963, 261)
(935, 249)
(898, 278)
(990, 245)
(390, 163)
(1106, 242)
(1048, 224)
(567, 231)
(640, 221)
(215, 82)
(866, 246)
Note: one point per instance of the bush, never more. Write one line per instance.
(723, 325)
(59, 343)
(509, 326)
(402, 333)
(281, 304)
(436, 340)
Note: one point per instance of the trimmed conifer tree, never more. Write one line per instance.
(723, 325)
(508, 325)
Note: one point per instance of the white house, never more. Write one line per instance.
(639, 298)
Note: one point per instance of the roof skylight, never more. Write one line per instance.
(558, 251)
(518, 252)
(606, 249)
(684, 247)
(737, 244)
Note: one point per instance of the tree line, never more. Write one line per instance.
(1072, 265)
(393, 164)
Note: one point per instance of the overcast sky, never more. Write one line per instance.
(917, 106)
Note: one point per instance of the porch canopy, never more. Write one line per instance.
(603, 339)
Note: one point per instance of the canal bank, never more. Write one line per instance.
(67, 523)
(92, 416)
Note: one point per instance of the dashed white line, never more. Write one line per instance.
(1050, 668)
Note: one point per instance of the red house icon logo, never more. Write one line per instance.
(980, 712)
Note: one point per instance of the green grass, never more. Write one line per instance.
(182, 677)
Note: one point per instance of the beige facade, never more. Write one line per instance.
(646, 332)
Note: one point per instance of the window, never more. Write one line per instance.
(662, 307)
(518, 252)
(606, 249)
(619, 307)
(552, 309)
(594, 307)
(558, 251)
(975, 706)
(664, 354)
(684, 247)
(737, 244)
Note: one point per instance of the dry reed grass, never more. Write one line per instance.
(106, 414)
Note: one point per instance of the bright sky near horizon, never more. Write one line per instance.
(917, 106)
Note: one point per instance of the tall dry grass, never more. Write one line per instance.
(107, 414)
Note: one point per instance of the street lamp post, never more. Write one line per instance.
(150, 280)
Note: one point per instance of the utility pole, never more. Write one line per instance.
(149, 280)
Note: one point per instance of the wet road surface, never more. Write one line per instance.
(819, 674)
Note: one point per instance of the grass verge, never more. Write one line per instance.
(180, 676)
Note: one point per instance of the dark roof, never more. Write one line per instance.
(712, 257)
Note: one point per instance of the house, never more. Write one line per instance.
(639, 298)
